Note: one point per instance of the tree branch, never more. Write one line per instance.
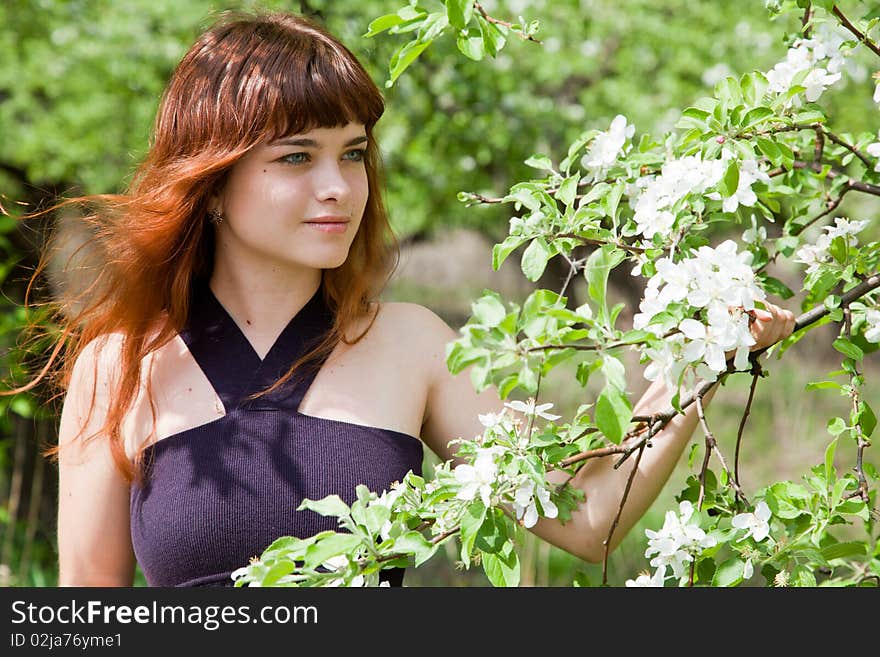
(757, 372)
(852, 28)
(661, 419)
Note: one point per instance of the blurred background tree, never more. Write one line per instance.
(80, 81)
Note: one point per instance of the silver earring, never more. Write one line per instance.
(215, 217)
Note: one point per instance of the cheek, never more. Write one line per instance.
(361, 187)
(257, 195)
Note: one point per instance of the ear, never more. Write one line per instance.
(215, 200)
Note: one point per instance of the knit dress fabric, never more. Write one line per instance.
(218, 494)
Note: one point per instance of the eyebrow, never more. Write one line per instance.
(311, 143)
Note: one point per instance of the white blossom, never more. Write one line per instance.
(607, 146)
(756, 234)
(529, 408)
(646, 580)
(757, 523)
(816, 82)
(666, 361)
(748, 569)
(338, 563)
(496, 421)
(722, 282)
(749, 174)
(680, 538)
(819, 62)
(477, 478)
(525, 506)
(872, 321)
(815, 255)
(387, 499)
(654, 205)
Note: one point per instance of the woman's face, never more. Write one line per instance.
(296, 201)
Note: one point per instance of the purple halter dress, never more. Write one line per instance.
(220, 493)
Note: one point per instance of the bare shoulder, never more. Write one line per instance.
(97, 362)
(418, 327)
(415, 319)
(414, 335)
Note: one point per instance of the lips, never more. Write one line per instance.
(328, 220)
(330, 224)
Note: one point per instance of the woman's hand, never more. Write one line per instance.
(770, 326)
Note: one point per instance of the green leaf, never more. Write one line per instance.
(803, 577)
(849, 349)
(534, 259)
(540, 162)
(836, 426)
(492, 535)
(459, 12)
(696, 113)
(417, 545)
(568, 189)
(729, 573)
(823, 385)
(489, 310)
(404, 57)
(598, 267)
(776, 287)
(502, 569)
(471, 47)
(755, 116)
(613, 413)
(493, 36)
(867, 419)
(383, 23)
(843, 550)
(614, 372)
(501, 251)
(471, 522)
(332, 505)
(330, 546)
(839, 249)
(829, 460)
(730, 183)
(277, 571)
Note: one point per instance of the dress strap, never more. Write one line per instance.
(232, 365)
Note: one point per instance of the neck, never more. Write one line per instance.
(263, 299)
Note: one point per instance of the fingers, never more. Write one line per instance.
(771, 325)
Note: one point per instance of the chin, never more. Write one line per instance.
(327, 260)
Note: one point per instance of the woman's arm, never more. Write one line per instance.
(452, 412)
(94, 539)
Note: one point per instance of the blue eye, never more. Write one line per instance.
(296, 158)
(356, 155)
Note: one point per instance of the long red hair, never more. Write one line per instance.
(249, 79)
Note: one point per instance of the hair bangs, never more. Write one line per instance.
(322, 86)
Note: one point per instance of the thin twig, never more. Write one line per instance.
(862, 490)
(805, 22)
(597, 242)
(509, 26)
(712, 445)
(573, 268)
(852, 28)
(756, 374)
(623, 499)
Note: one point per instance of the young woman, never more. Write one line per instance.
(247, 257)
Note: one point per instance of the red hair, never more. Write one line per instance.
(249, 79)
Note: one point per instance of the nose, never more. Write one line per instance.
(330, 183)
